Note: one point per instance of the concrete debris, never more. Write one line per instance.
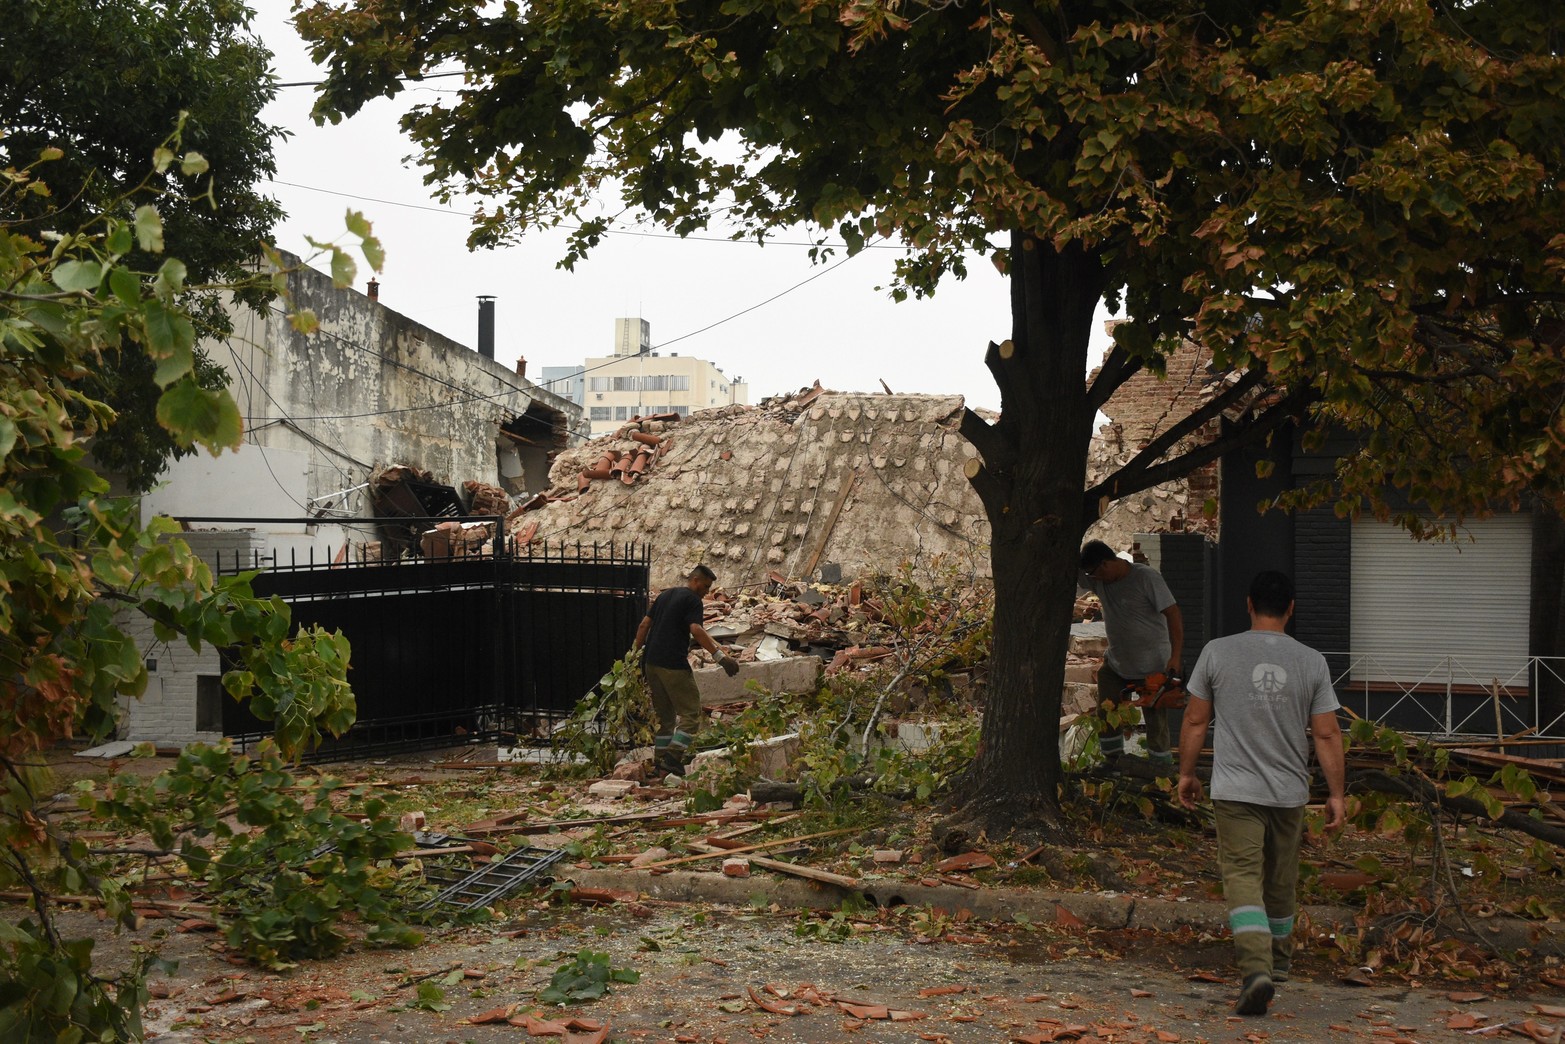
(651, 855)
(612, 788)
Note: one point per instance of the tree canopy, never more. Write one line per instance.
(105, 83)
(1353, 204)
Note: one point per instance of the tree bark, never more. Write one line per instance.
(1034, 466)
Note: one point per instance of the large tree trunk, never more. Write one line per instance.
(1034, 464)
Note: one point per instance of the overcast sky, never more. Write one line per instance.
(837, 327)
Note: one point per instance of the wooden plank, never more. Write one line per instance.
(796, 870)
(1554, 771)
(831, 523)
(563, 824)
(744, 848)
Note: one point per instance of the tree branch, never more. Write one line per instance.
(1248, 433)
(1418, 790)
(1118, 367)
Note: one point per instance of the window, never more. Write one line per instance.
(600, 384)
(714, 384)
(598, 413)
(679, 383)
(657, 382)
(622, 413)
(683, 411)
(209, 703)
(624, 383)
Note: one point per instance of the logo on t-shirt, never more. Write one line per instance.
(1270, 681)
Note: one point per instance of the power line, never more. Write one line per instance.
(453, 212)
(403, 79)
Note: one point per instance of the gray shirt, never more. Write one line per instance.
(1133, 617)
(1264, 686)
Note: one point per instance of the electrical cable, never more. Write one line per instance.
(553, 427)
(453, 212)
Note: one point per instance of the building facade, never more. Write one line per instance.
(324, 413)
(635, 381)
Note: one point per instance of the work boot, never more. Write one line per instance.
(1279, 971)
(669, 764)
(1256, 994)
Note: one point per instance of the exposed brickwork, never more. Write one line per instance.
(166, 713)
(1141, 409)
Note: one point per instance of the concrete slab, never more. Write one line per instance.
(538, 756)
(794, 674)
(113, 749)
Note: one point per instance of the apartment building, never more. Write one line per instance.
(636, 381)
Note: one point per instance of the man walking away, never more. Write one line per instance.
(1146, 633)
(666, 632)
(1264, 689)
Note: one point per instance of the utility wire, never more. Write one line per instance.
(473, 395)
(453, 212)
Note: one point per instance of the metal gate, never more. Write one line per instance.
(475, 648)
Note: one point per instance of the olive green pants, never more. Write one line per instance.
(1159, 741)
(1258, 853)
(677, 703)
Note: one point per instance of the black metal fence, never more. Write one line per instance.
(477, 647)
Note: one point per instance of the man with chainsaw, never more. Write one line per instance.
(1146, 633)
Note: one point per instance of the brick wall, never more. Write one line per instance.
(1322, 551)
(166, 712)
(1141, 409)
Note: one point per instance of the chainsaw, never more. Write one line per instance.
(1156, 692)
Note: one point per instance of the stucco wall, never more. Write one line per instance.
(166, 712)
(370, 388)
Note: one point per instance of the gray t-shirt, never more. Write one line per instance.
(1264, 686)
(1133, 617)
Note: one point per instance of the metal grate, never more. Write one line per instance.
(496, 880)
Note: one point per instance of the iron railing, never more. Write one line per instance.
(464, 648)
(1447, 696)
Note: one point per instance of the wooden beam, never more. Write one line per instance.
(831, 523)
(715, 851)
(795, 870)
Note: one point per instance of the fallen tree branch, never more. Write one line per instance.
(1417, 790)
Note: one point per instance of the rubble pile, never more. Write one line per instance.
(814, 484)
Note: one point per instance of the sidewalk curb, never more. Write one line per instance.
(1095, 909)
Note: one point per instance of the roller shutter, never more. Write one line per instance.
(1419, 609)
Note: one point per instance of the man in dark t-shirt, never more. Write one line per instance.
(665, 633)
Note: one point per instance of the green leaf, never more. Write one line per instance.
(125, 285)
(73, 276)
(171, 341)
(119, 239)
(195, 415)
(161, 158)
(7, 436)
(170, 279)
(357, 223)
(149, 229)
(193, 163)
(343, 269)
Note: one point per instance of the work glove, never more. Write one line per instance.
(729, 665)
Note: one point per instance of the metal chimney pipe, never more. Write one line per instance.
(486, 326)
